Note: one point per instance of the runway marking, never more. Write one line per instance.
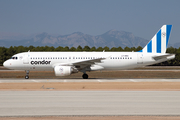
(133, 80)
(34, 80)
(166, 80)
(99, 80)
(90, 80)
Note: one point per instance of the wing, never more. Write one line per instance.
(87, 63)
(83, 65)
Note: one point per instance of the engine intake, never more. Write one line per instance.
(64, 70)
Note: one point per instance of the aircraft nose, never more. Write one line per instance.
(5, 64)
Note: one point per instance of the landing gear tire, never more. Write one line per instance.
(26, 77)
(85, 76)
(27, 74)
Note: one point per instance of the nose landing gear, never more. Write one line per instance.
(27, 74)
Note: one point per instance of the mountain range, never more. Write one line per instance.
(112, 38)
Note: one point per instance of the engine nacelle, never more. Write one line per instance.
(63, 70)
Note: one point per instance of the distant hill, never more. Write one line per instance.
(112, 38)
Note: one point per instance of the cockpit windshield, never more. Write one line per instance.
(15, 58)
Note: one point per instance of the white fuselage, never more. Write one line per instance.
(35, 61)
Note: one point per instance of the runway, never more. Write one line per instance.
(22, 80)
(44, 103)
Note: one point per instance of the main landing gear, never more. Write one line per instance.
(85, 76)
(27, 74)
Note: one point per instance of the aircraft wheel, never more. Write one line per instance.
(26, 77)
(85, 76)
(27, 74)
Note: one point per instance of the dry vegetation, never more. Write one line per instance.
(94, 75)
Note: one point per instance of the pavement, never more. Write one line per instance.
(24, 102)
(44, 103)
(22, 80)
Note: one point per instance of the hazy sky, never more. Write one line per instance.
(141, 17)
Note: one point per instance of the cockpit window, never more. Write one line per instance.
(15, 58)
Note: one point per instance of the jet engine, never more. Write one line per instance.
(64, 70)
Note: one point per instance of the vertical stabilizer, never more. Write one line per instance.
(159, 42)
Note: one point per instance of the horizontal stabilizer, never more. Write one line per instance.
(163, 56)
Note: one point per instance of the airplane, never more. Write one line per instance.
(67, 63)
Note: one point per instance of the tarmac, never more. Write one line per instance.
(88, 103)
(95, 103)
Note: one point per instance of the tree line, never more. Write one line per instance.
(7, 53)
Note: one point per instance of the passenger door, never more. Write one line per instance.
(26, 61)
(139, 58)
